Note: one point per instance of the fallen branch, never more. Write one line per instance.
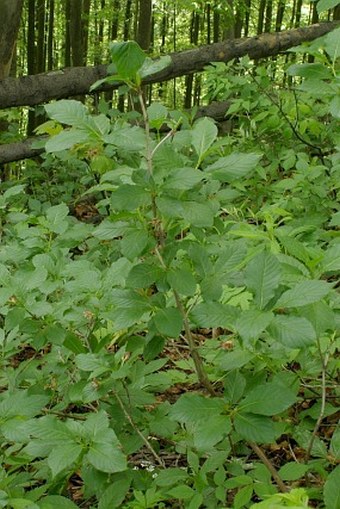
(40, 88)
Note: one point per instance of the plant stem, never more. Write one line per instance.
(259, 452)
(139, 433)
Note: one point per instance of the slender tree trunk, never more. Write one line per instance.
(216, 21)
(189, 80)
(144, 24)
(279, 15)
(31, 58)
(9, 26)
(336, 13)
(50, 39)
(67, 33)
(260, 19)
(208, 14)
(127, 20)
(85, 27)
(229, 30)
(115, 20)
(41, 47)
(246, 18)
(76, 39)
(268, 16)
(298, 11)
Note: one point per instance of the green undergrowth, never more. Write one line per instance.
(181, 351)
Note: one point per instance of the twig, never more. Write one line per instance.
(259, 452)
(139, 433)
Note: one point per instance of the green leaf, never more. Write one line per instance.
(56, 218)
(197, 214)
(255, 428)
(169, 322)
(190, 408)
(67, 111)
(324, 5)
(181, 492)
(56, 501)
(134, 242)
(235, 359)
(157, 114)
(214, 314)
(331, 490)
(105, 455)
(128, 58)
(63, 456)
(334, 107)
(293, 331)
(115, 494)
(130, 197)
(243, 496)
(234, 386)
(293, 471)
(143, 275)
(331, 259)
(170, 476)
(182, 179)
(252, 322)
(269, 399)
(335, 443)
(262, 275)
(234, 166)
(209, 432)
(65, 140)
(204, 134)
(182, 280)
(312, 71)
(306, 292)
(332, 43)
(152, 66)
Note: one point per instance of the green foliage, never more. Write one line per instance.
(151, 354)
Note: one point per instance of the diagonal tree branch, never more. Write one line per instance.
(39, 88)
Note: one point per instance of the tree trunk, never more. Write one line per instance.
(67, 33)
(260, 19)
(9, 27)
(85, 27)
(41, 48)
(76, 39)
(247, 16)
(50, 62)
(144, 24)
(268, 16)
(279, 15)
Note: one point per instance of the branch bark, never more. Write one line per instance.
(33, 90)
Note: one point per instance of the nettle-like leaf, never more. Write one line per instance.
(169, 322)
(268, 399)
(190, 408)
(204, 134)
(65, 140)
(128, 58)
(53, 501)
(262, 276)
(292, 331)
(324, 5)
(252, 322)
(56, 216)
(331, 490)
(331, 259)
(304, 293)
(234, 166)
(255, 428)
(67, 111)
(157, 114)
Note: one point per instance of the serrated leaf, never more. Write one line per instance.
(182, 280)
(234, 166)
(293, 471)
(129, 197)
(128, 58)
(306, 292)
(65, 140)
(170, 476)
(143, 275)
(243, 496)
(151, 66)
(67, 111)
(107, 457)
(331, 490)
(134, 242)
(331, 259)
(169, 322)
(235, 359)
(182, 179)
(197, 214)
(314, 71)
(114, 495)
(293, 331)
(332, 43)
(63, 456)
(56, 217)
(255, 428)
(335, 443)
(209, 432)
(262, 275)
(190, 408)
(252, 322)
(214, 314)
(268, 399)
(204, 134)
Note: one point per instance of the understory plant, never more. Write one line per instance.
(180, 353)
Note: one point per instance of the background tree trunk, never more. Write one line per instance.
(9, 26)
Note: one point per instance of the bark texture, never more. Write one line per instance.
(10, 14)
(32, 90)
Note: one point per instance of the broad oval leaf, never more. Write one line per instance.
(331, 490)
(169, 322)
(204, 134)
(293, 331)
(67, 111)
(255, 428)
(190, 408)
(269, 399)
(306, 292)
(234, 166)
(262, 276)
